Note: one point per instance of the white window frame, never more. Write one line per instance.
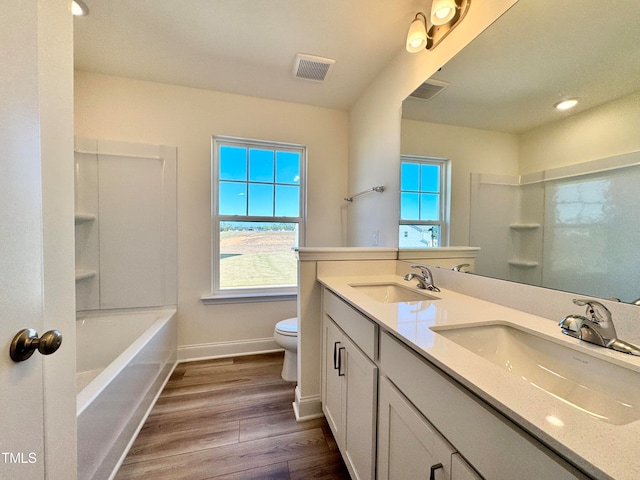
(445, 196)
(248, 293)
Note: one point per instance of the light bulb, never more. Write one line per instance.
(417, 36)
(442, 11)
(78, 8)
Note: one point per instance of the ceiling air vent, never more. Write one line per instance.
(309, 67)
(429, 89)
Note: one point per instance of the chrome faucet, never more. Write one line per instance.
(596, 327)
(425, 281)
(458, 268)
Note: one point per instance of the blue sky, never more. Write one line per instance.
(420, 187)
(259, 182)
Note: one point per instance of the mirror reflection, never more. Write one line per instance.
(550, 196)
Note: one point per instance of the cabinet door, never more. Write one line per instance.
(360, 382)
(461, 470)
(408, 446)
(331, 379)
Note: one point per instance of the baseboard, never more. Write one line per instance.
(204, 351)
(307, 408)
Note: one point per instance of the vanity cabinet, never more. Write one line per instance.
(409, 446)
(496, 447)
(420, 417)
(349, 386)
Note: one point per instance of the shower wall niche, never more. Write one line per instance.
(126, 229)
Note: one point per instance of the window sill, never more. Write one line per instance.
(249, 298)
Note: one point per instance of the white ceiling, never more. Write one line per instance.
(507, 79)
(539, 52)
(245, 46)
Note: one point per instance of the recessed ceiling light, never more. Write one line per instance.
(79, 8)
(555, 421)
(566, 104)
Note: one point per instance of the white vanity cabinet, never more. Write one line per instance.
(349, 384)
(420, 417)
(409, 446)
(496, 447)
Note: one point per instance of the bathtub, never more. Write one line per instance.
(124, 359)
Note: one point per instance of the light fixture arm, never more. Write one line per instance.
(424, 18)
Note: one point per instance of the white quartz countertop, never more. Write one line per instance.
(600, 448)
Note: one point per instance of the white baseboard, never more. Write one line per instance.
(307, 408)
(204, 351)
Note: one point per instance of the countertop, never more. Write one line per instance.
(602, 449)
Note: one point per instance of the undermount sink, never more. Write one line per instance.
(391, 293)
(606, 391)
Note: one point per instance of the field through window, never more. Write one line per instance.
(257, 254)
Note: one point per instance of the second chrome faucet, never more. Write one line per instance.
(596, 327)
(425, 281)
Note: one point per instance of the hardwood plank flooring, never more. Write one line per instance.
(231, 419)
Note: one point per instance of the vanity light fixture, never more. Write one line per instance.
(79, 8)
(566, 104)
(445, 16)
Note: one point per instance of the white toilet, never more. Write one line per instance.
(286, 335)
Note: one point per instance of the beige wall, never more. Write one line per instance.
(600, 132)
(135, 111)
(374, 128)
(470, 150)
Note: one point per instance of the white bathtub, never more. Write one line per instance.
(123, 360)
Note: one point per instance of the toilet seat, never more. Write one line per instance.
(288, 327)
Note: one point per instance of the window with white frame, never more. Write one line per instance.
(258, 193)
(423, 202)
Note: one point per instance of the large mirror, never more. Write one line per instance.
(551, 197)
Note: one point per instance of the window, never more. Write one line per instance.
(258, 193)
(423, 202)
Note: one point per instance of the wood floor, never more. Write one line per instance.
(231, 419)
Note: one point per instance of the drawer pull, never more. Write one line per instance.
(432, 475)
(340, 373)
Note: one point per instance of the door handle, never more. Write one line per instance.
(26, 342)
(335, 355)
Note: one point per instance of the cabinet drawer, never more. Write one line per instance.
(496, 447)
(460, 470)
(359, 328)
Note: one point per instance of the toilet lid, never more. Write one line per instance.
(288, 326)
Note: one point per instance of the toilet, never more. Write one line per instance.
(286, 335)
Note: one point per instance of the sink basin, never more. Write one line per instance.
(606, 391)
(391, 293)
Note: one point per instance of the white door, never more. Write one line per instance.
(37, 397)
